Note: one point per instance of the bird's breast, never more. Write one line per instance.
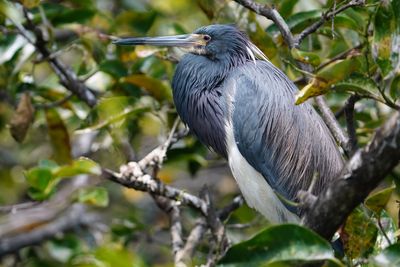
(199, 100)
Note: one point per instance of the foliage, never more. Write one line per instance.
(50, 136)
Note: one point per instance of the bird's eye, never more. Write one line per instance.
(207, 38)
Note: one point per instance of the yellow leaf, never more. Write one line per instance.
(324, 78)
(30, 3)
(314, 88)
(59, 136)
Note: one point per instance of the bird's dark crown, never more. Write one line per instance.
(224, 42)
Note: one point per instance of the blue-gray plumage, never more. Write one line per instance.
(239, 104)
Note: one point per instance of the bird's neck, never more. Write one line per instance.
(199, 98)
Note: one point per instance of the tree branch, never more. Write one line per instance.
(360, 176)
(326, 17)
(351, 128)
(172, 209)
(67, 77)
(169, 199)
(333, 124)
(272, 14)
(74, 217)
(151, 185)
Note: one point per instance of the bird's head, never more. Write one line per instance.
(216, 42)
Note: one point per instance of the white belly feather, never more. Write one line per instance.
(255, 189)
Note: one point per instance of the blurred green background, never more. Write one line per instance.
(43, 127)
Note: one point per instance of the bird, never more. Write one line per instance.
(237, 103)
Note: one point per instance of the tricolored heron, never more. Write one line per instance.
(239, 104)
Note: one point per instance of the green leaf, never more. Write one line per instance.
(108, 255)
(384, 34)
(41, 181)
(330, 74)
(39, 177)
(298, 21)
(359, 234)
(10, 11)
(114, 67)
(390, 257)
(378, 200)
(209, 7)
(306, 57)
(44, 178)
(286, 7)
(395, 88)
(139, 22)
(281, 245)
(79, 166)
(97, 196)
(59, 136)
(110, 111)
(343, 21)
(359, 84)
(75, 15)
(127, 112)
(155, 87)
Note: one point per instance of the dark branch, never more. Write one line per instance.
(351, 127)
(224, 213)
(219, 241)
(272, 14)
(67, 77)
(361, 175)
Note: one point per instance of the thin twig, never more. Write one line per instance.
(67, 77)
(54, 104)
(343, 55)
(326, 17)
(333, 124)
(236, 203)
(380, 226)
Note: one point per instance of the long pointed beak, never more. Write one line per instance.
(184, 40)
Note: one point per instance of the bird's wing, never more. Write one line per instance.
(286, 143)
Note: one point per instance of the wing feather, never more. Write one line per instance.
(286, 143)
